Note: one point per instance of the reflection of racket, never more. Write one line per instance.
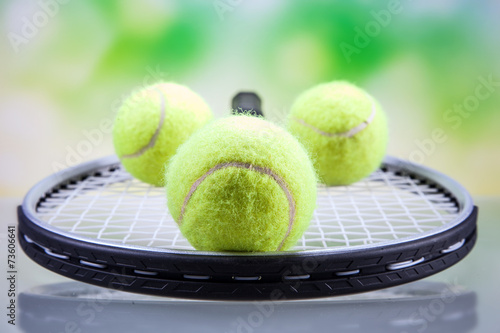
(407, 308)
(96, 224)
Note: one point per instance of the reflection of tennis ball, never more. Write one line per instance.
(343, 128)
(152, 123)
(241, 184)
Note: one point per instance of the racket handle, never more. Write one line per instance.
(247, 102)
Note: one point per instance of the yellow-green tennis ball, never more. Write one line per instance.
(241, 184)
(344, 129)
(152, 123)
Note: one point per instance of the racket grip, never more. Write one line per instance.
(247, 102)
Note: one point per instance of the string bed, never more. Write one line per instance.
(110, 205)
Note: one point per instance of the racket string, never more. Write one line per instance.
(110, 205)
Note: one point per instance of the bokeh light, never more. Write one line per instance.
(67, 65)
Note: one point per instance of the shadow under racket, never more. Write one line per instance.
(416, 307)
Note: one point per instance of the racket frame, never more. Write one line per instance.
(221, 275)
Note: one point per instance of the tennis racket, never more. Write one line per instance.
(95, 223)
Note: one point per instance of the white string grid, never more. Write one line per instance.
(112, 206)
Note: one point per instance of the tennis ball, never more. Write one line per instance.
(344, 130)
(152, 123)
(241, 184)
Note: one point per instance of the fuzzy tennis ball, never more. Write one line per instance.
(152, 123)
(344, 129)
(241, 184)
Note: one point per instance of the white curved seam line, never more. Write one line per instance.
(153, 139)
(350, 133)
(267, 171)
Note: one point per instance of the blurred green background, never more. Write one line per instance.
(67, 65)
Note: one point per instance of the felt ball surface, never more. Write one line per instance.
(241, 184)
(152, 123)
(343, 128)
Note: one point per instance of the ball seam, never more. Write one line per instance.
(348, 134)
(153, 139)
(263, 170)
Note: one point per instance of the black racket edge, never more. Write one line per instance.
(243, 277)
(245, 290)
(224, 266)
